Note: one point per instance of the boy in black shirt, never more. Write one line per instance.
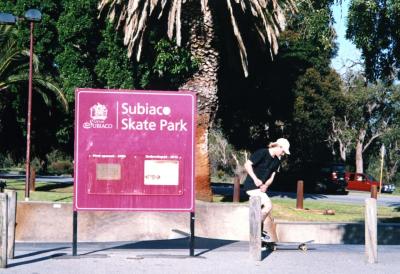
(261, 169)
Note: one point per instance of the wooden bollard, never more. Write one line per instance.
(374, 192)
(3, 229)
(255, 227)
(371, 231)
(12, 215)
(300, 194)
(236, 189)
(32, 179)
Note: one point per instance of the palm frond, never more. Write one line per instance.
(39, 82)
(49, 85)
(268, 17)
(242, 48)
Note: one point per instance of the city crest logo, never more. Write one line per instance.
(98, 115)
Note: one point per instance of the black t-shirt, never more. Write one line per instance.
(263, 166)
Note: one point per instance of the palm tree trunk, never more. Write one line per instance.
(201, 43)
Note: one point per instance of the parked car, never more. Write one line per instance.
(332, 178)
(363, 182)
(317, 178)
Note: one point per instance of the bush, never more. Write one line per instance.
(61, 167)
(59, 163)
(6, 161)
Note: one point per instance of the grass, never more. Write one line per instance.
(52, 192)
(284, 208)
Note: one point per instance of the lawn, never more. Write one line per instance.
(45, 191)
(284, 208)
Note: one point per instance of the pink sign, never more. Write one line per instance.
(134, 150)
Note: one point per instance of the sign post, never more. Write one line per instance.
(134, 151)
(381, 175)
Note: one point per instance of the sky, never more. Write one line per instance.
(348, 53)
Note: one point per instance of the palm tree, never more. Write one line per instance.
(14, 67)
(196, 20)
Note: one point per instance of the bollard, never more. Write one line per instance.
(12, 215)
(32, 179)
(3, 185)
(3, 229)
(300, 194)
(374, 192)
(371, 231)
(255, 227)
(236, 189)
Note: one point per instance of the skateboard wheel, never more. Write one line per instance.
(272, 247)
(303, 247)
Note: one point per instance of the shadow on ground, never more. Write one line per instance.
(52, 186)
(31, 257)
(200, 243)
(388, 233)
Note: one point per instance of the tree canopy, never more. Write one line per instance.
(373, 26)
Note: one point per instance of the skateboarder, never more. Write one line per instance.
(261, 169)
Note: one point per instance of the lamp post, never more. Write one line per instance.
(31, 15)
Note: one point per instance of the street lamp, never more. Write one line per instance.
(7, 18)
(31, 15)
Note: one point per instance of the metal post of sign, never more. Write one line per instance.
(74, 233)
(192, 219)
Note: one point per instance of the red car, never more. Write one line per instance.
(363, 182)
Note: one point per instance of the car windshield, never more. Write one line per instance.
(371, 178)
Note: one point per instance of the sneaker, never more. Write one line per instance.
(265, 237)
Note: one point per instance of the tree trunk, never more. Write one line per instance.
(204, 82)
(359, 151)
(342, 149)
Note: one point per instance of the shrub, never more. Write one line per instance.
(61, 167)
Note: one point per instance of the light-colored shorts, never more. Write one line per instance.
(265, 200)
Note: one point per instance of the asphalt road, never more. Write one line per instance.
(53, 179)
(354, 197)
(211, 256)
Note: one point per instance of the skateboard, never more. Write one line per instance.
(273, 246)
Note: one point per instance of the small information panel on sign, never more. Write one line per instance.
(161, 172)
(134, 150)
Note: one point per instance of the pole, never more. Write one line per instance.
(300, 194)
(371, 232)
(380, 179)
(374, 192)
(236, 189)
(191, 245)
(74, 233)
(255, 228)
(29, 119)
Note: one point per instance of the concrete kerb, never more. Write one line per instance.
(52, 222)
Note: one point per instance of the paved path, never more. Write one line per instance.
(228, 257)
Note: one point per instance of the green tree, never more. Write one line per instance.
(14, 74)
(317, 101)
(113, 68)
(370, 114)
(373, 27)
(78, 35)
